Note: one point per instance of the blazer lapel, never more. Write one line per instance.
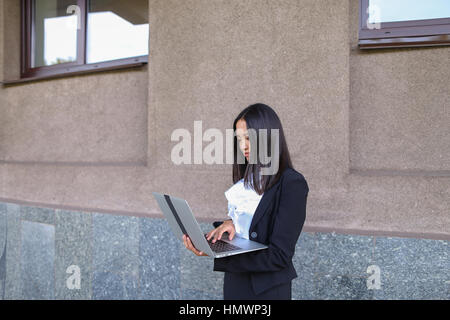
(263, 204)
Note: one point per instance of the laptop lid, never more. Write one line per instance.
(180, 218)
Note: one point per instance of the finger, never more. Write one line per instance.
(191, 247)
(232, 233)
(210, 234)
(218, 236)
(214, 233)
(188, 243)
(198, 253)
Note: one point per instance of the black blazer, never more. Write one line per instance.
(277, 222)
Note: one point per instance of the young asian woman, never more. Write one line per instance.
(277, 220)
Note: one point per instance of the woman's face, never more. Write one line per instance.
(242, 138)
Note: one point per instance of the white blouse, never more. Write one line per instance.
(242, 204)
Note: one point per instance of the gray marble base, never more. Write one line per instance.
(159, 261)
(413, 268)
(115, 286)
(73, 244)
(13, 280)
(3, 236)
(59, 254)
(197, 274)
(37, 260)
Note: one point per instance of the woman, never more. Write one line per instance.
(277, 220)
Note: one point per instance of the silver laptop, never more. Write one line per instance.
(182, 221)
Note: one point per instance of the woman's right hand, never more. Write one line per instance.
(226, 226)
(188, 244)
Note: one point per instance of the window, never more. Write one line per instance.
(404, 23)
(61, 37)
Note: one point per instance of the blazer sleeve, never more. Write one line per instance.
(286, 231)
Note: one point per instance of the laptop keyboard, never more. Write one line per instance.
(221, 246)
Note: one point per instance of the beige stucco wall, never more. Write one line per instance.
(367, 129)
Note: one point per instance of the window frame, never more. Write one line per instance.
(79, 66)
(412, 33)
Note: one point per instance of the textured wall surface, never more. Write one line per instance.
(400, 108)
(122, 257)
(367, 129)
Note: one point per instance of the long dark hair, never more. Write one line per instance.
(260, 116)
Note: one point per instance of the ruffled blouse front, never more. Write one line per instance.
(242, 204)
